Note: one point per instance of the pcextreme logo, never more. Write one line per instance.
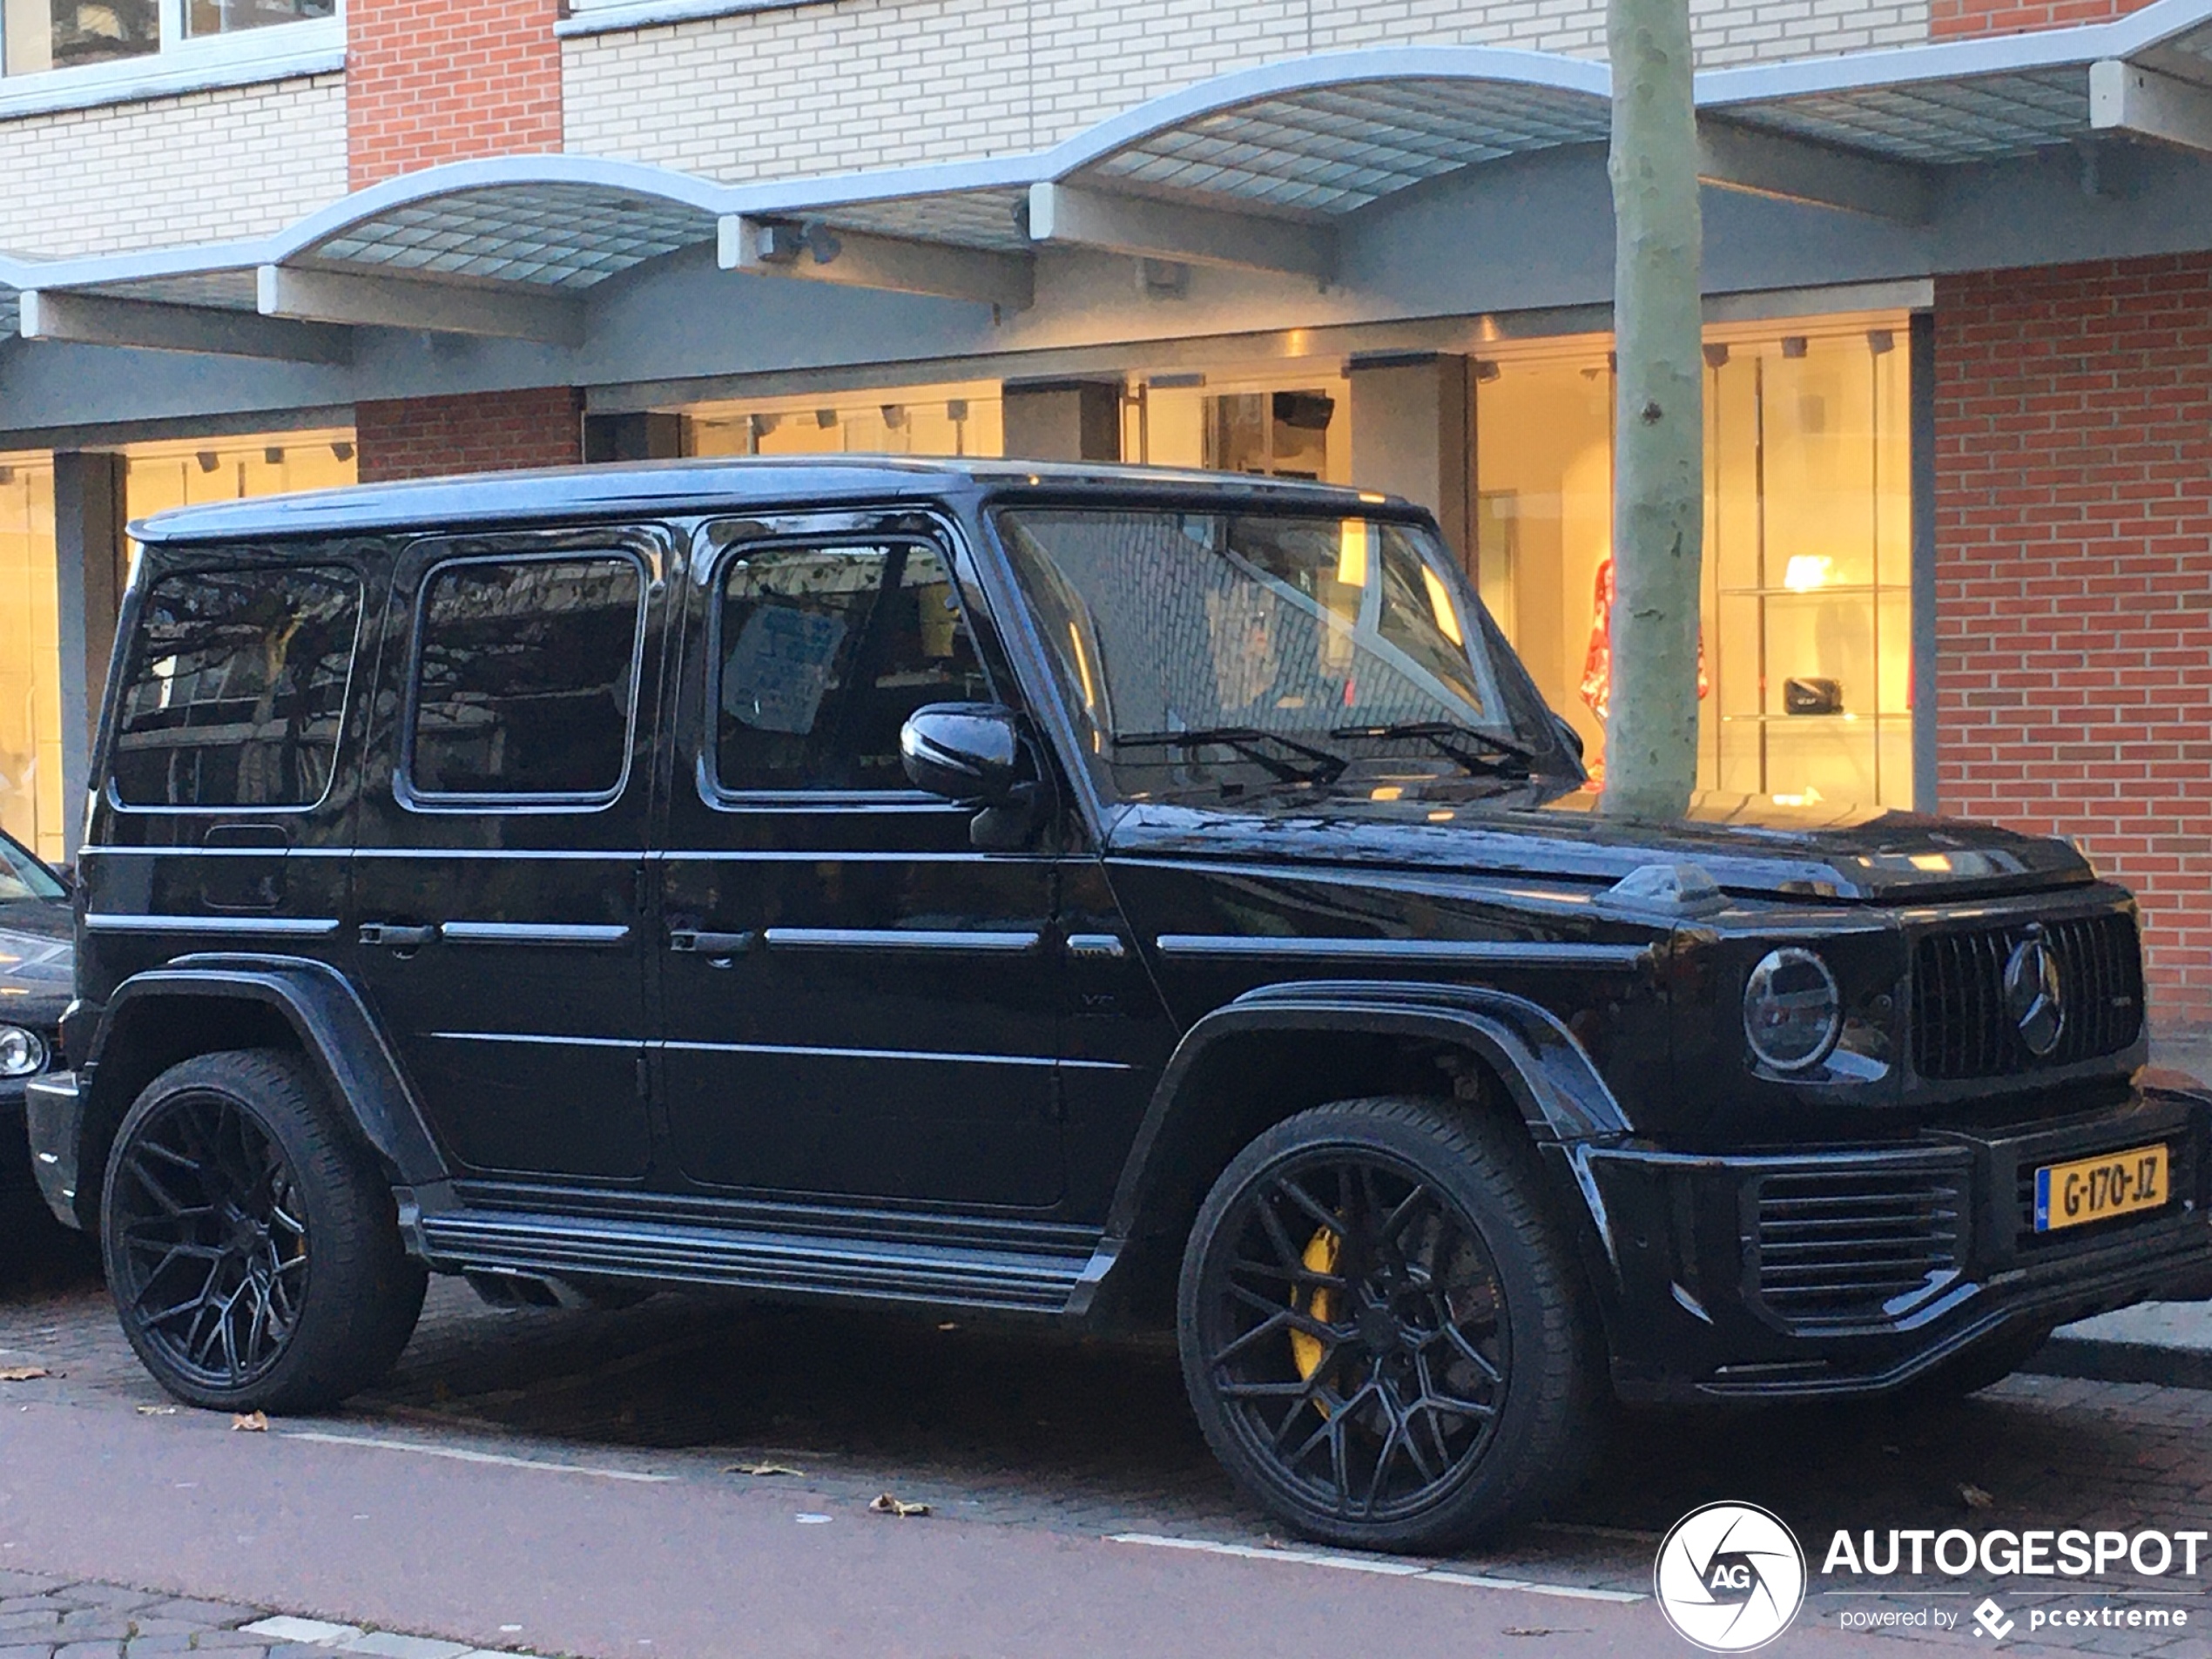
(1731, 1577)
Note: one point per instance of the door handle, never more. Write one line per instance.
(692, 942)
(395, 936)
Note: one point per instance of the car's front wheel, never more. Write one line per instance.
(1382, 1329)
(251, 1247)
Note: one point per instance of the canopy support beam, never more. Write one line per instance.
(213, 331)
(2127, 98)
(1731, 155)
(1146, 229)
(860, 259)
(417, 303)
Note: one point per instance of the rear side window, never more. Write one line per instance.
(525, 677)
(236, 689)
(821, 653)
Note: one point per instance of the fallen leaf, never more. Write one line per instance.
(251, 1422)
(887, 1505)
(23, 1373)
(1525, 1630)
(760, 1468)
(1975, 1498)
(157, 1411)
(948, 1325)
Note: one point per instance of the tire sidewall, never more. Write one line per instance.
(1493, 1488)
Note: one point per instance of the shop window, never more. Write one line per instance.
(944, 421)
(236, 687)
(822, 653)
(525, 678)
(31, 730)
(158, 476)
(1806, 682)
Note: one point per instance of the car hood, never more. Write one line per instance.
(37, 963)
(1749, 844)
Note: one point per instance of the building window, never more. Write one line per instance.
(1806, 680)
(37, 36)
(954, 419)
(30, 723)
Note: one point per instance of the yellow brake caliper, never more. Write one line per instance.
(1320, 1257)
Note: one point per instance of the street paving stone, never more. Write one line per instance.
(1093, 1438)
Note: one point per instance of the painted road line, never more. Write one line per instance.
(1374, 1564)
(458, 1455)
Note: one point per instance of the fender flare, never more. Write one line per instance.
(356, 1066)
(1549, 1076)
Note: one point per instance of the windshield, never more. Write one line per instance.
(23, 877)
(1293, 650)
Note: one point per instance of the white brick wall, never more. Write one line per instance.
(208, 165)
(862, 84)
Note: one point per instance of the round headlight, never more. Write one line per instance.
(21, 1051)
(1792, 1012)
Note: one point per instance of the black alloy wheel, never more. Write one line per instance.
(252, 1249)
(212, 1250)
(1380, 1332)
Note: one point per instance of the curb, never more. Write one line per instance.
(2122, 1362)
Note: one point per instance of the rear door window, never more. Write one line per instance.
(236, 688)
(526, 677)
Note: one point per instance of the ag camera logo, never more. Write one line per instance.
(1731, 1577)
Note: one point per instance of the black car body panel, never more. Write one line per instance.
(708, 1017)
(36, 977)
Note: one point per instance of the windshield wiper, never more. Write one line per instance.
(1248, 741)
(1461, 743)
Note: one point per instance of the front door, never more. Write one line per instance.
(500, 862)
(857, 1004)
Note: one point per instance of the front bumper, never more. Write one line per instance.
(54, 1131)
(14, 1168)
(1855, 1270)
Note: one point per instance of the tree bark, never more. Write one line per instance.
(1658, 479)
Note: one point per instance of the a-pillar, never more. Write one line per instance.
(1413, 435)
(91, 563)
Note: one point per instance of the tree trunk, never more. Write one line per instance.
(1658, 480)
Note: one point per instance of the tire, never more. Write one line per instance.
(252, 1246)
(1317, 1341)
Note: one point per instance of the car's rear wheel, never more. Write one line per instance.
(1383, 1333)
(251, 1247)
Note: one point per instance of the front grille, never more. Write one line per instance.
(1960, 1028)
(1857, 1247)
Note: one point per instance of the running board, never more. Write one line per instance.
(562, 1246)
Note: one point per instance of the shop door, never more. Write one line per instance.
(500, 866)
(857, 1004)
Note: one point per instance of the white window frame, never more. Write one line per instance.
(274, 51)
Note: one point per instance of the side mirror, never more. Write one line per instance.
(965, 752)
(1568, 735)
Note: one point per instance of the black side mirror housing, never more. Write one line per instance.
(1568, 735)
(970, 753)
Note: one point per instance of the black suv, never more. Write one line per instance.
(1092, 894)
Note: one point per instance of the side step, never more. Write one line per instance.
(947, 1275)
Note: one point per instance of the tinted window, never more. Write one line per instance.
(22, 876)
(823, 652)
(525, 676)
(235, 690)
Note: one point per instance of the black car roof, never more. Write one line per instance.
(709, 484)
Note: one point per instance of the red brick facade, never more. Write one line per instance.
(2074, 526)
(430, 81)
(478, 432)
(1949, 19)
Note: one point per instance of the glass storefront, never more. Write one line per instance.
(1806, 681)
(31, 807)
(160, 476)
(1806, 685)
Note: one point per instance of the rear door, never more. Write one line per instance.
(856, 1003)
(500, 860)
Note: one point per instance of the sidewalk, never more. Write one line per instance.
(2166, 1343)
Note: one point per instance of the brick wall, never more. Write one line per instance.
(478, 432)
(209, 165)
(2073, 515)
(1950, 19)
(430, 81)
(890, 83)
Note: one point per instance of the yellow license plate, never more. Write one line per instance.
(2112, 1184)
